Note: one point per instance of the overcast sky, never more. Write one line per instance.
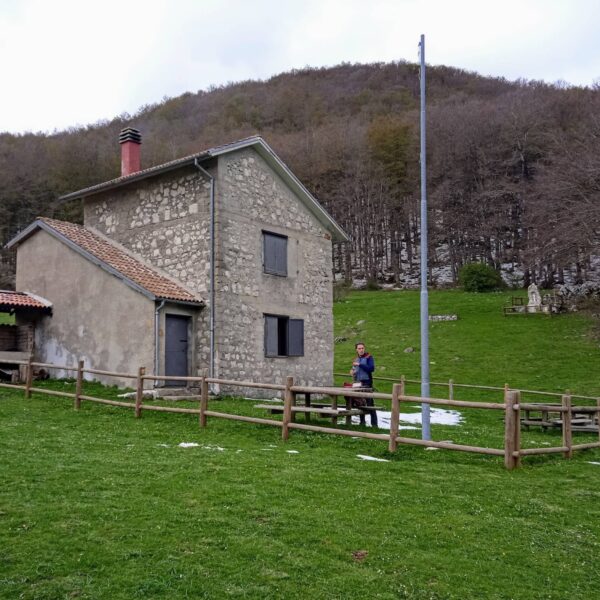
(65, 63)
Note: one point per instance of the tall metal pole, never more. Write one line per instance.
(425, 413)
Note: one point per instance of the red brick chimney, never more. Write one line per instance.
(130, 140)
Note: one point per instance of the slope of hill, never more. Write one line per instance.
(514, 167)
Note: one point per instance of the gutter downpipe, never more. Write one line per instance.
(156, 339)
(211, 370)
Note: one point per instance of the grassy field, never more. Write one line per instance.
(96, 504)
(6, 319)
(483, 347)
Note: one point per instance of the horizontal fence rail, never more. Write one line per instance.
(451, 384)
(511, 406)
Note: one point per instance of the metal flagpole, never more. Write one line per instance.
(425, 413)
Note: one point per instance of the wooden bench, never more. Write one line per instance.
(580, 421)
(323, 409)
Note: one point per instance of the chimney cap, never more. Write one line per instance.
(130, 134)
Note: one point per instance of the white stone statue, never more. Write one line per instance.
(535, 300)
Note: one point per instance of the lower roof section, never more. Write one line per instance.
(13, 301)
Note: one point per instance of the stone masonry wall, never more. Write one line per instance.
(252, 198)
(164, 220)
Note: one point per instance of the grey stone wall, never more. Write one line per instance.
(252, 198)
(164, 220)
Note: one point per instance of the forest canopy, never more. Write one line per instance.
(513, 167)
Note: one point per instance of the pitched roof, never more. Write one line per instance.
(113, 259)
(263, 149)
(10, 300)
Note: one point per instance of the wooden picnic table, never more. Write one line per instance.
(551, 416)
(332, 409)
(350, 408)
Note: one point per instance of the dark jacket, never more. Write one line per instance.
(364, 371)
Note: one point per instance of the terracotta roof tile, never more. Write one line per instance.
(22, 300)
(125, 264)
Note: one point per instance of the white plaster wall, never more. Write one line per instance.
(96, 316)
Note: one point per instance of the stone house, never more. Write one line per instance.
(218, 263)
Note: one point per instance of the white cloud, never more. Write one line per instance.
(65, 63)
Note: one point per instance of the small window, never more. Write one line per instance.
(283, 336)
(275, 253)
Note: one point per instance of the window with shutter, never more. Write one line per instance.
(275, 253)
(283, 336)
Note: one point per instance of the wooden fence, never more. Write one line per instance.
(511, 407)
(452, 385)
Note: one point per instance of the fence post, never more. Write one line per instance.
(397, 391)
(139, 392)
(288, 400)
(451, 389)
(78, 385)
(509, 429)
(598, 417)
(517, 411)
(28, 377)
(567, 432)
(203, 401)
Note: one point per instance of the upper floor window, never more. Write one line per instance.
(275, 253)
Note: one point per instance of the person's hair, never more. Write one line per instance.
(359, 344)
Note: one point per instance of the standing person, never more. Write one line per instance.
(362, 373)
(363, 366)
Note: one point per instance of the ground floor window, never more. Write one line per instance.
(284, 336)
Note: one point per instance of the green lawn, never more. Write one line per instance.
(96, 504)
(5, 318)
(483, 347)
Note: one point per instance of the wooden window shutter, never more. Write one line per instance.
(295, 337)
(275, 253)
(271, 336)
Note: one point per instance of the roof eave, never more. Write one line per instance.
(194, 304)
(288, 176)
(263, 149)
(135, 177)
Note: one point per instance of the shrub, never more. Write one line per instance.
(479, 277)
(340, 291)
(372, 284)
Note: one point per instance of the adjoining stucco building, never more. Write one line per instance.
(219, 262)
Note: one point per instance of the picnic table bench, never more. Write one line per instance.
(549, 416)
(328, 409)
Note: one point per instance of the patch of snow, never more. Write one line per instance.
(164, 445)
(438, 416)
(273, 400)
(188, 445)
(373, 458)
(292, 452)
(591, 462)
(146, 394)
(218, 448)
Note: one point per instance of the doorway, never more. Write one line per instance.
(177, 330)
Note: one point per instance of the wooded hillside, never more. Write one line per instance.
(513, 179)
